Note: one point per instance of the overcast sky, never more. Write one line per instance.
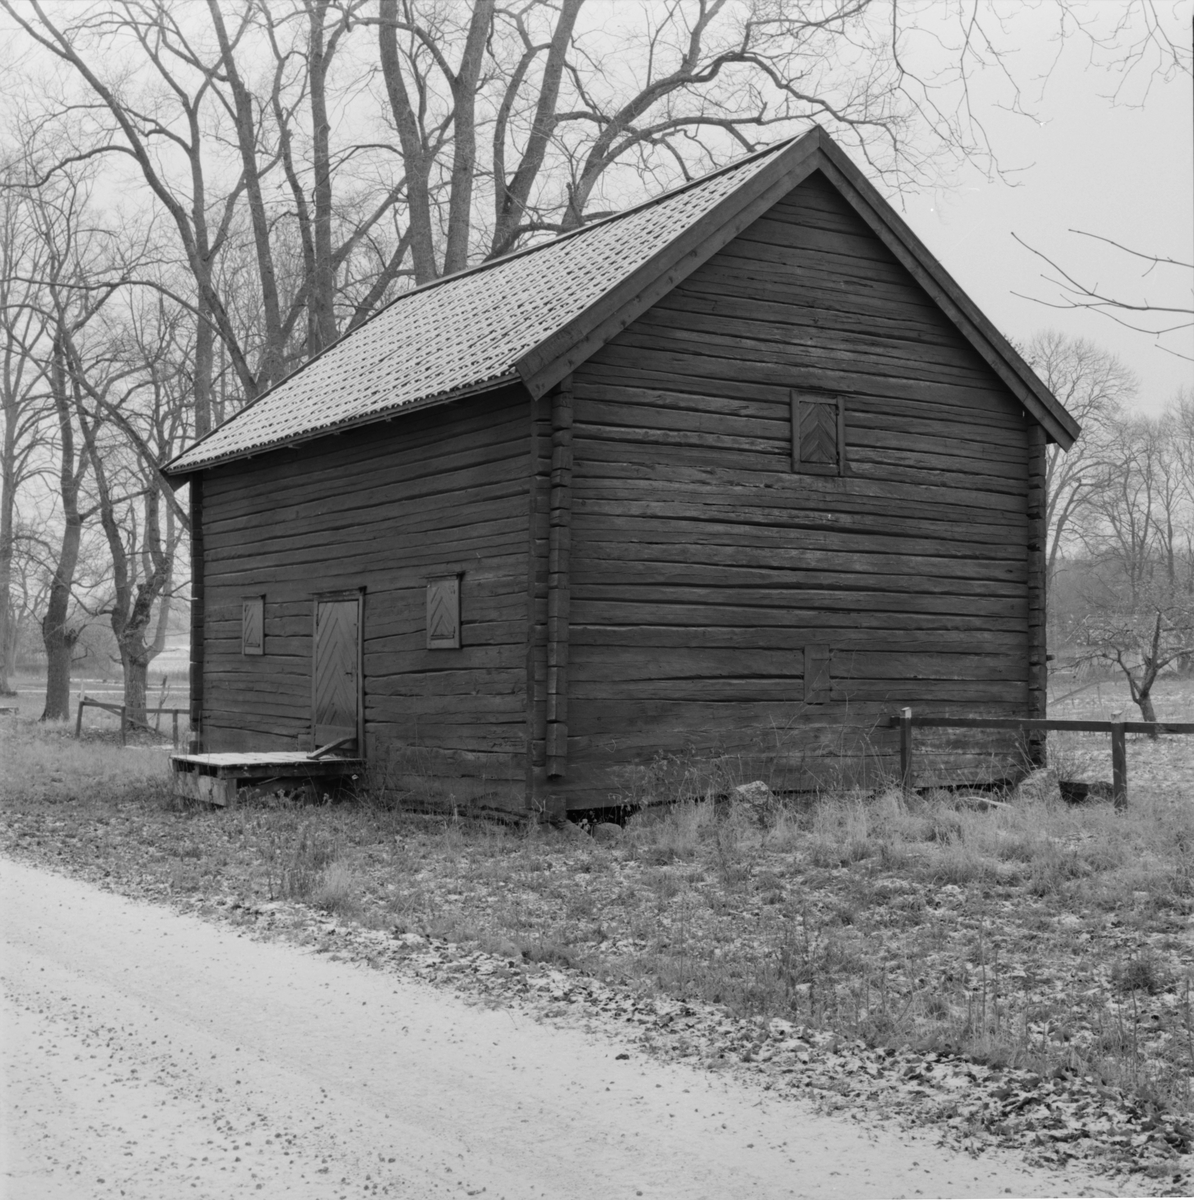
(1126, 173)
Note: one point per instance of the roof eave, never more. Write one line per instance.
(914, 255)
(545, 364)
(491, 385)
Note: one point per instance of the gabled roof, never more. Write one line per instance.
(538, 313)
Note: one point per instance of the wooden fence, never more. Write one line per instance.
(1118, 730)
(121, 710)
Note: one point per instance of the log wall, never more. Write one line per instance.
(703, 569)
(382, 508)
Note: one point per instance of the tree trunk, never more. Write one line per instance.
(321, 298)
(416, 158)
(58, 636)
(1144, 702)
(270, 365)
(204, 363)
(464, 138)
(7, 641)
(60, 647)
(135, 665)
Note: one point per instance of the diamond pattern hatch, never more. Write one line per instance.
(467, 330)
(818, 433)
(336, 686)
(443, 613)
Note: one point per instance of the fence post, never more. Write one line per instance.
(123, 725)
(174, 714)
(79, 718)
(906, 749)
(1119, 765)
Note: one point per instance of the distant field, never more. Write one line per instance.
(1164, 767)
(168, 682)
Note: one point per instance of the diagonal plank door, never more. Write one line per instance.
(336, 687)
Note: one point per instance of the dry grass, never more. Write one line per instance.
(1031, 934)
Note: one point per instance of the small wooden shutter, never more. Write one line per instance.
(443, 613)
(818, 434)
(817, 681)
(252, 625)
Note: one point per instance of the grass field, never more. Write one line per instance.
(1027, 935)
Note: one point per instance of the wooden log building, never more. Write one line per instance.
(722, 479)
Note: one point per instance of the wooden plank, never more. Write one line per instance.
(198, 615)
(853, 501)
(843, 372)
(780, 592)
(401, 535)
(888, 536)
(619, 364)
(928, 272)
(573, 343)
(817, 673)
(812, 567)
(776, 341)
(1036, 543)
(789, 631)
(559, 583)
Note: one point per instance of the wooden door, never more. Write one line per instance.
(336, 681)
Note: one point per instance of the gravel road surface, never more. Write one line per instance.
(149, 1055)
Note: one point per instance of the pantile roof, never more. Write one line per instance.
(535, 314)
(465, 331)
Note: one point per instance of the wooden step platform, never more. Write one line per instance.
(216, 778)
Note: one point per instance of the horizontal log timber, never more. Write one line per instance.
(790, 633)
(790, 537)
(313, 480)
(819, 300)
(413, 438)
(501, 500)
(817, 305)
(841, 374)
(781, 492)
(636, 454)
(764, 418)
(806, 515)
(790, 690)
(647, 665)
(612, 474)
(792, 591)
(751, 455)
(686, 370)
(721, 578)
(777, 341)
(705, 349)
(372, 553)
(303, 489)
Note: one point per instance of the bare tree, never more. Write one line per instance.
(1141, 642)
(262, 121)
(133, 417)
(1139, 571)
(1093, 385)
(24, 392)
(1142, 313)
(73, 282)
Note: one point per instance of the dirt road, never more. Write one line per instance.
(149, 1055)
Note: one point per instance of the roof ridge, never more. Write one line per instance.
(650, 202)
(490, 264)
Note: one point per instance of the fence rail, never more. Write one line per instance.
(905, 722)
(126, 722)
